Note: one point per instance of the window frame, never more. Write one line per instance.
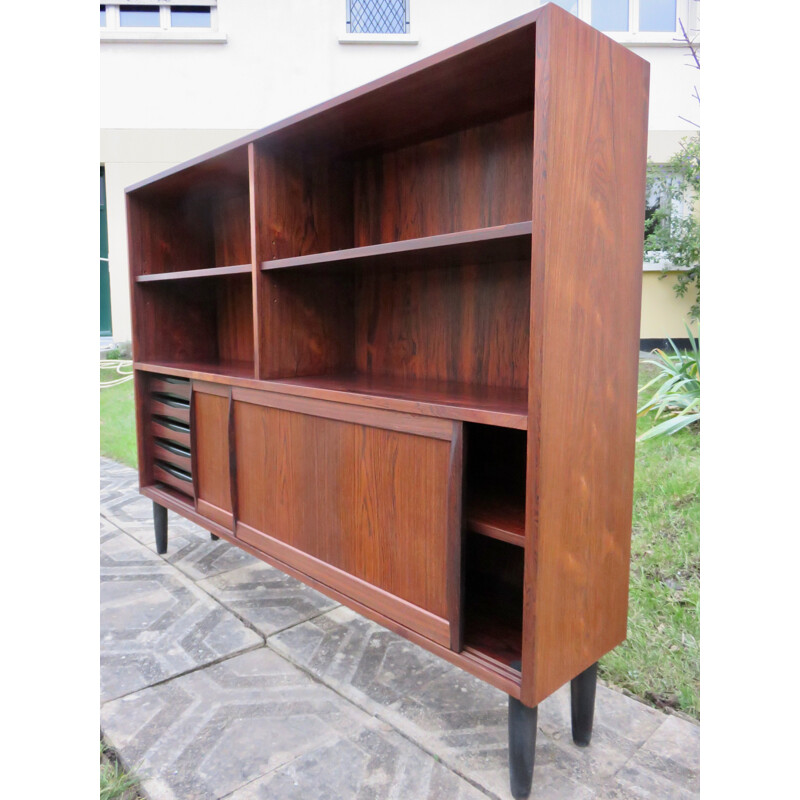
(114, 32)
(685, 10)
(409, 37)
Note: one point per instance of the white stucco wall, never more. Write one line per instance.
(163, 103)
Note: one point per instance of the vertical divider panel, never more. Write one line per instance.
(255, 260)
(455, 534)
(232, 463)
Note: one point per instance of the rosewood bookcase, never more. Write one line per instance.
(390, 346)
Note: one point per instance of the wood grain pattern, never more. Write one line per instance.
(212, 449)
(501, 406)
(467, 323)
(474, 662)
(590, 131)
(370, 501)
(473, 178)
(416, 307)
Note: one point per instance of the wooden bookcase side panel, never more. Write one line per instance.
(590, 133)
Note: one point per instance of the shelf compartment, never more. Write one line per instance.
(210, 272)
(494, 482)
(194, 220)
(493, 597)
(422, 318)
(309, 201)
(206, 321)
(502, 242)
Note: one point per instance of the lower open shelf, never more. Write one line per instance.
(493, 591)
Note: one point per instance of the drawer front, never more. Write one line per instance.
(168, 432)
(365, 501)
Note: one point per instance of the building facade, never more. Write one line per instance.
(178, 78)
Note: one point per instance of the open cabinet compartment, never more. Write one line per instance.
(196, 219)
(494, 541)
(414, 325)
(203, 324)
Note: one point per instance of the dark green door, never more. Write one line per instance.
(105, 281)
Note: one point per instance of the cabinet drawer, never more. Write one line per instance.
(172, 408)
(167, 451)
(174, 477)
(171, 431)
(365, 501)
(174, 387)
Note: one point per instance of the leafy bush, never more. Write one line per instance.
(671, 235)
(677, 396)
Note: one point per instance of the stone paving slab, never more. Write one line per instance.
(255, 726)
(464, 720)
(266, 598)
(334, 706)
(154, 622)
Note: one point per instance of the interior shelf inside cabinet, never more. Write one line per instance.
(203, 324)
(195, 220)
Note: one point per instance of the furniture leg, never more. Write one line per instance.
(521, 746)
(582, 691)
(160, 523)
(214, 538)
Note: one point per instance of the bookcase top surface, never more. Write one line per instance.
(487, 76)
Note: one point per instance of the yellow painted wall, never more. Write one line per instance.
(664, 314)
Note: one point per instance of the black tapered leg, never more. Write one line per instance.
(160, 523)
(214, 538)
(521, 746)
(582, 691)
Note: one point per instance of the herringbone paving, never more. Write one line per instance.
(223, 677)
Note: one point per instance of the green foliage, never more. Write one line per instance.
(117, 424)
(660, 659)
(673, 236)
(677, 395)
(115, 783)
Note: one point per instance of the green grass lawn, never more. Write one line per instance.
(117, 422)
(660, 661)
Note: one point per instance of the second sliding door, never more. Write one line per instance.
(366, 502)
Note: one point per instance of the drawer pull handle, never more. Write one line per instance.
(172, 424)
(169, 400)
(174, 471)
(174, 448)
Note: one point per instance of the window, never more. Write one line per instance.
(377, 16)
(160, 21)
(377, 22)
(635, 20)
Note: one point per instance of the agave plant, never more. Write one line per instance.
(677, 396)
